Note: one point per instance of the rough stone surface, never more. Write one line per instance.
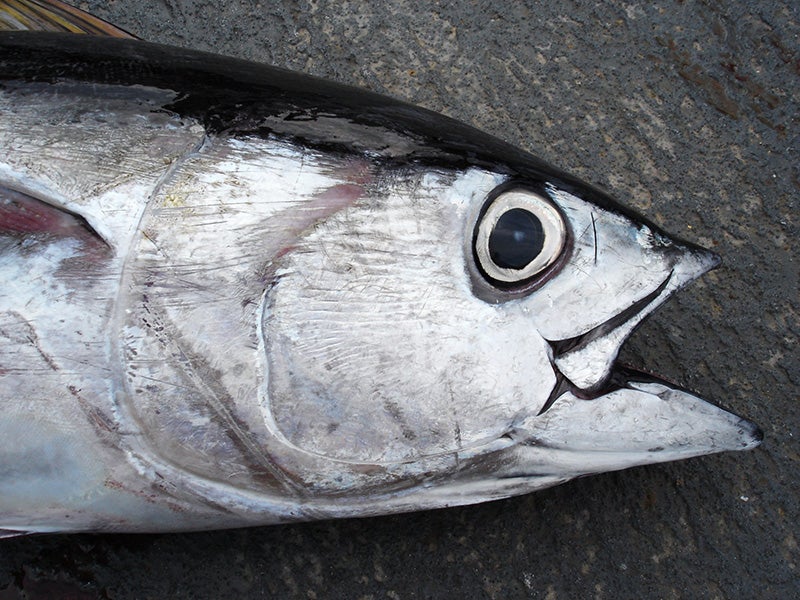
(687, 111)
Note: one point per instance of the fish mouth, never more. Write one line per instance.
(635, 419)
(586, 361)
(567, 350)
(639, 413)
(615, 323)
(603, 416)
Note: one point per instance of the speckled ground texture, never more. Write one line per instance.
(687, 111)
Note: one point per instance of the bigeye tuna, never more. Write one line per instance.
(234, 295)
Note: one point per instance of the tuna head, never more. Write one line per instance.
(459, 332)
(255, 296)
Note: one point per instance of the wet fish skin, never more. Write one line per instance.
(264, 303)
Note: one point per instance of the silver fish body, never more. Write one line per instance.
(234, 295)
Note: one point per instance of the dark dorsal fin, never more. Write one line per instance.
(53, 15)
(25, 217)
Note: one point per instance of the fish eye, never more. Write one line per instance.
(518, 235)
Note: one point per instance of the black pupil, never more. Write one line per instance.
(517, 238)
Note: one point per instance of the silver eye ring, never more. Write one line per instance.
(519, 235)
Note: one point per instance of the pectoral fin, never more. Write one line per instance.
(32, 222)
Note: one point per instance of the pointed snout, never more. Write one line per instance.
(694, 261)
(586, 360)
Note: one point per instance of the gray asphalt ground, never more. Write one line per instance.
(687, 111)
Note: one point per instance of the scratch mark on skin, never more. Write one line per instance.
(100, 421)
(459, 444)
(166, 382)
(397, 414)
(33, 338)
(150, 498)
(102, 424)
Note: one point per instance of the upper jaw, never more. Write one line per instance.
(587, 359)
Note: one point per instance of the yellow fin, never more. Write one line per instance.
(53, 15)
